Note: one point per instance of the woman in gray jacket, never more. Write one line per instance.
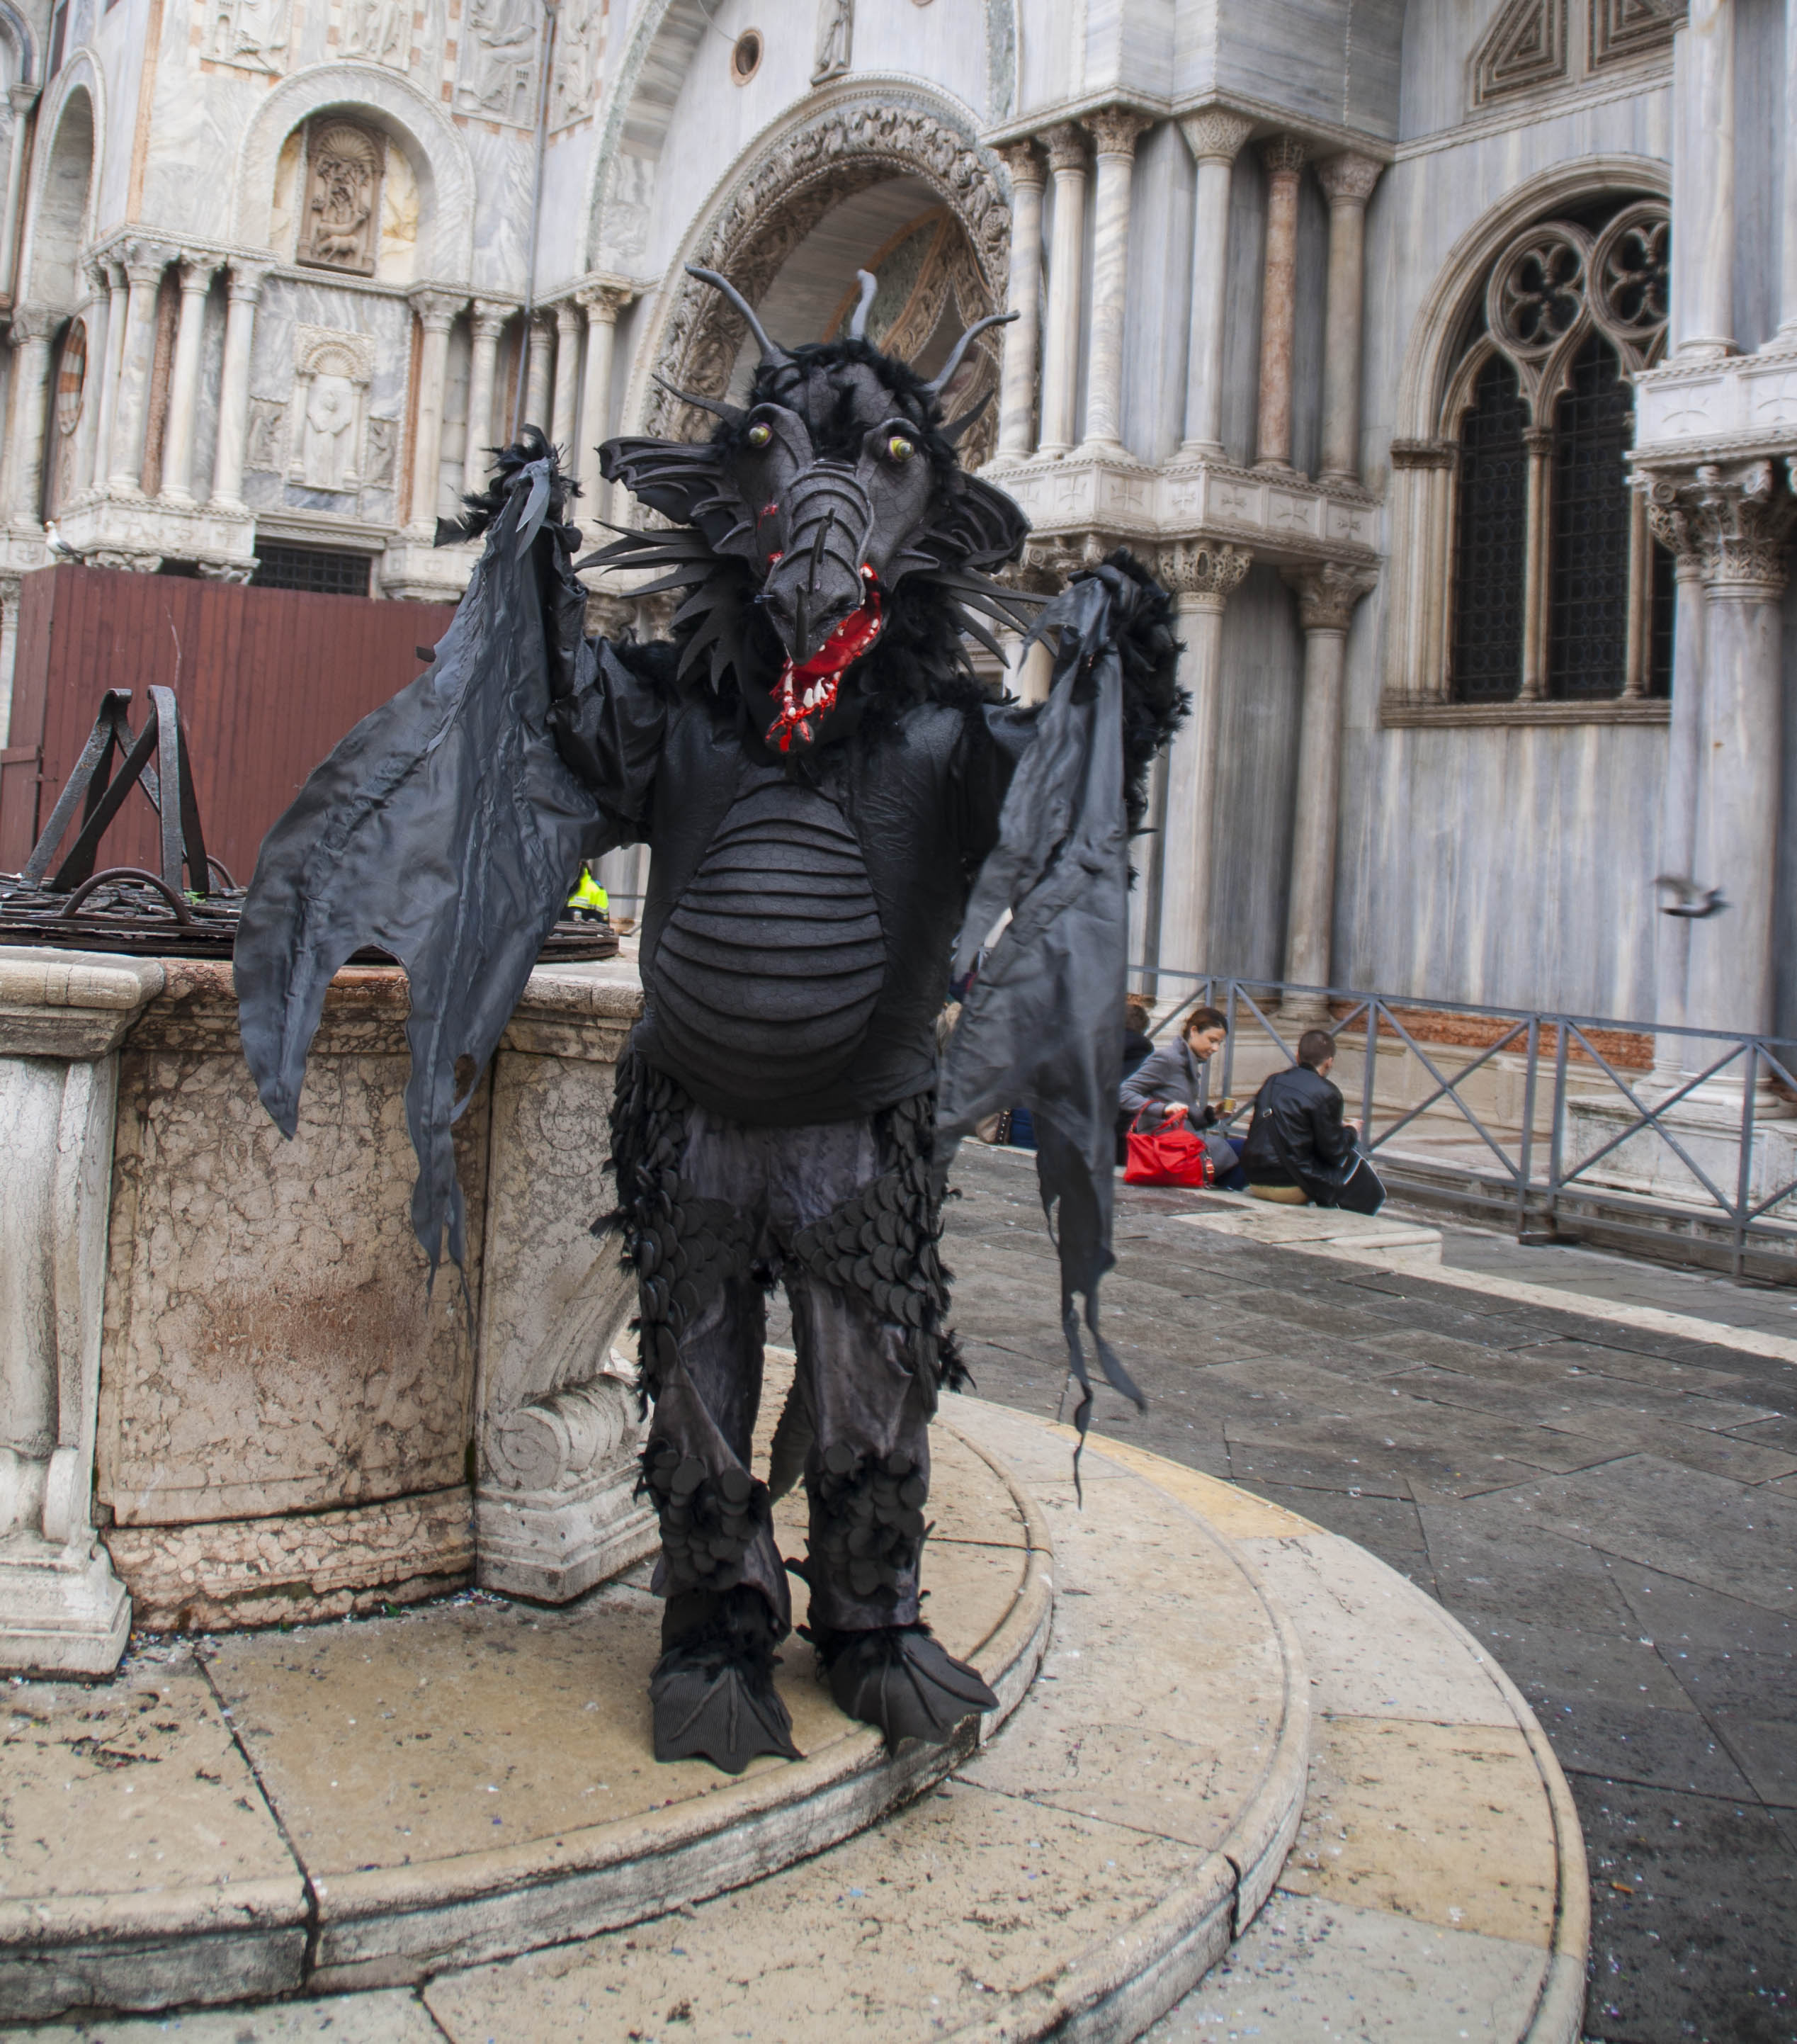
(1170, 1076)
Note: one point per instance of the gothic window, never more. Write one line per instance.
(1559, 593)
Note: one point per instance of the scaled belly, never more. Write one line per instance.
(770, 965)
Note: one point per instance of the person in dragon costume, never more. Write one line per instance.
(839, 814)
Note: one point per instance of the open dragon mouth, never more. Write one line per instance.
(810, 691)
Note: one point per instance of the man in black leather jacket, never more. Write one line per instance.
(1298, 1137)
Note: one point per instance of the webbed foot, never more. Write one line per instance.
(900, 1680)
(712, 1690)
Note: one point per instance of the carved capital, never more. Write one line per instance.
(1202, 569)
(1424, 454)
(1348, 179)
(1021, 160)
(603, 302)
(31, 323)
(488, 316)
(1215, 135)
(1065, 144)
(569, 320)
(246, 281)
(198, 269)
(1284, 156)
(436, 309)
(1538, 441)
(1327, 594)
(144, 263)
(1114, 130)
(1736, 522)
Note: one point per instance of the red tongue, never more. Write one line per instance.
(822, 673)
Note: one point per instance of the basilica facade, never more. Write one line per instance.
(1441, 356)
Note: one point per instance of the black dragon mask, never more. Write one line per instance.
(823, 508)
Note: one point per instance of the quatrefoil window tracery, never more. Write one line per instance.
(1556, 281)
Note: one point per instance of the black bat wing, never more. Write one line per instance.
(444, 829)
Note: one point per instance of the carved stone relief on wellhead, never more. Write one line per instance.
(340, 228)
(784, 197)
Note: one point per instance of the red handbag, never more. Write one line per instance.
(1168, 1154)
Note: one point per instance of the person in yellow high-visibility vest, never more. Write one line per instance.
(589, 903)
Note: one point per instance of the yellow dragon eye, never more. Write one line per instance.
(899, 448)
(760, 433)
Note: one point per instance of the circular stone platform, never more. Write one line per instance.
(403, 1800)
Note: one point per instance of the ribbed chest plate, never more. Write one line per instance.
(770, 964)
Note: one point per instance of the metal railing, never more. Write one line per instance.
(1721, 1104)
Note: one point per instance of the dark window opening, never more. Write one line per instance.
(1490, 541)
(1660, 624)
(1588, 598)
(315, 570)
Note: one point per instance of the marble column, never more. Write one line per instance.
(244, 295)
(1202, 577)
(184, 379)
(1347, 183)
(143, 266)
(436, 312)
(109, 367)
(1785, 340)
(1285, 159)
(568, 323)
(1742, 518)
(1703, 150)
(486, 324)
(536, 372)
(28, 420)
(96, 315)
(1214, 139)
(21, 99)
(1677, 854)
(1537, 448)
(1326, 597)
(1065, 144)
(1114, 133)
(1017, 377)
(601, 303)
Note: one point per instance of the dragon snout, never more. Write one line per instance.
(817, 581)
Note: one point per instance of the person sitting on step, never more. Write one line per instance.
(1301, 1149)
(1173, 1077)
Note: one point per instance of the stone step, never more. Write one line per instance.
(1223, 1680)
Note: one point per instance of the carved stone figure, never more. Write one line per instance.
(835, 32)
(383, 443)
(268, 420)
(330, 414)
(341, 229)
(252, 34)
(576, 87)
(380, 30)
(499, 59)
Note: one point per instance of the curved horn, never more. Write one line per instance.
(858, 322)
(770, 350)
(961, 347)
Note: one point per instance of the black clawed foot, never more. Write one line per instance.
(900, 1680)
(712, 1690)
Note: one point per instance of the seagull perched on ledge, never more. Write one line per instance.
(55, 545)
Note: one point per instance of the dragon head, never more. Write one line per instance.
(834, 485)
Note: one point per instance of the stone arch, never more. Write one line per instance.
(15, 34)
(1438, 337)
(62, 195)
(437, 156)
(778, 192)
(665, 36)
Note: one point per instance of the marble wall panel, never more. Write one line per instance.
(1759, 173)
(567, 186)
(1051, 61)
(1308, 326)
(188, 174)
(1257, 765)
(1438, 43)
(945, 43)
(1299, 55)
(269, 1343)
(505, 178)
(1156, 325)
